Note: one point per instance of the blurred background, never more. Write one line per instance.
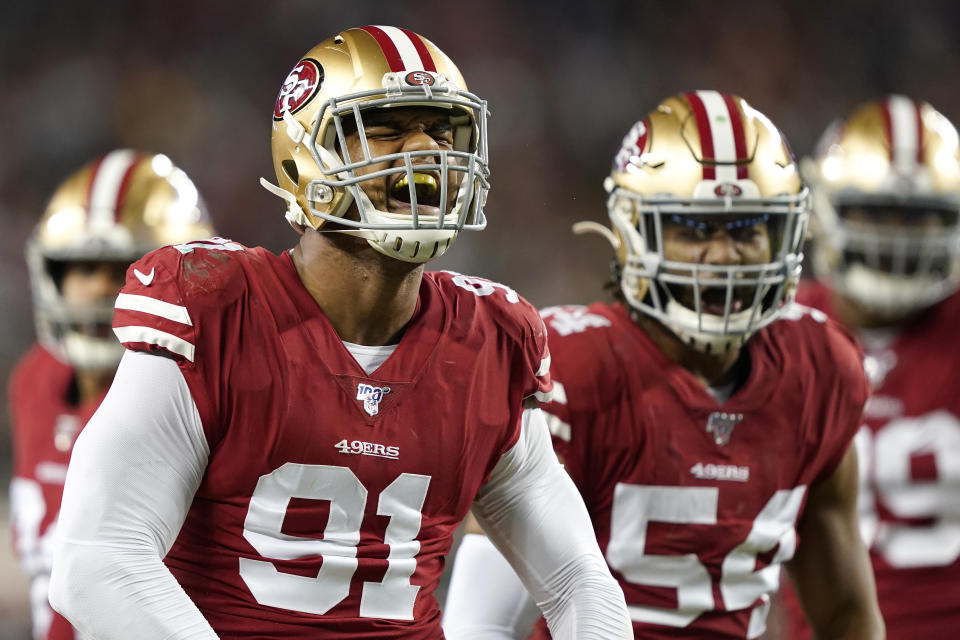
(197, 80)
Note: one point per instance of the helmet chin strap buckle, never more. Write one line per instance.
(295, 214)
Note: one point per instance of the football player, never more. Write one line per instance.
(99, 220)
(706, 420)
(292, 439)
(886, 184)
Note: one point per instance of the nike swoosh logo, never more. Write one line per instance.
(145, 279)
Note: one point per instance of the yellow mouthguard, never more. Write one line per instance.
(418, 178)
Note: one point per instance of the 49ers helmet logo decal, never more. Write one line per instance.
(417, 78)
(727, 189)
(300, 86)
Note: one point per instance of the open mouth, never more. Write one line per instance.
(713, 300)
(425, 185)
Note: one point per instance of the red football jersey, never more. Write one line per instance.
(695, 504)
(46, 421)
(909, 452)
(331, 496)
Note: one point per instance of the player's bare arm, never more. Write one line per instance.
(833, 553)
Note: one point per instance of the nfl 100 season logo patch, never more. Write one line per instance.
(371, 396)
(721, 425)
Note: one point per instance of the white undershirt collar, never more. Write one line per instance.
(369, 358)
(723, 392)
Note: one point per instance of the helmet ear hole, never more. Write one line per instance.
(290, 168)
(56, 269)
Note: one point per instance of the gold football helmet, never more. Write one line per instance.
(886, 187)
(115, 209)
(706, 160)
(328, 94)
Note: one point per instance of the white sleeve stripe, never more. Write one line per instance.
(163, 339)
(558, 428)
(559, 393)
(214, 244)
(544, 366)
(154, 307)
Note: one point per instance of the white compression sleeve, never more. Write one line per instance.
(132, 477)
(27, 510)
(535, 516)
(500, 608)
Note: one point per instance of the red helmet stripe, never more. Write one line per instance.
(739, 138)
(919, 133)
(887, 126)
(642, 138)
(425, 58)
(93, 179)
(389, 49)
(706, 135)
(125, 187)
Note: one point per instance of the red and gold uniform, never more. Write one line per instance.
(694, 503)
(331, 495)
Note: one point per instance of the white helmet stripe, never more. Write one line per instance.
(408, 53)
(106, 187)
(904, 133)
(721, 130)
